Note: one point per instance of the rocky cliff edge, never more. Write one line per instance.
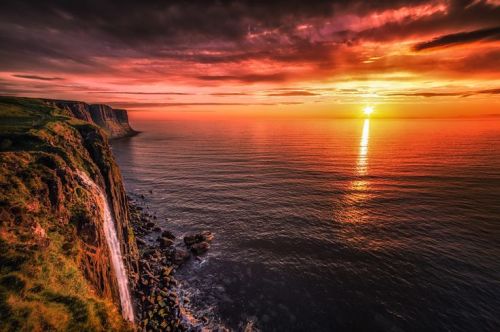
(113, 121)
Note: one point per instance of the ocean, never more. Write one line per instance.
(330, 224)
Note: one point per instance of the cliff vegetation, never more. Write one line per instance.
(55, 269)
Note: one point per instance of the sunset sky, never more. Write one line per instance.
(330, 58)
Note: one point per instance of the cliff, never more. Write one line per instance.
(55, 264)
(113, 121)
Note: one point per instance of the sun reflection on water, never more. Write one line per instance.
(362, 165)
(352, 207)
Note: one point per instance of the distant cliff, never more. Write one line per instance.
(56, 271)
(113, 121)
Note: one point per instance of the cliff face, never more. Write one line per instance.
(55, 266)
(113, 121)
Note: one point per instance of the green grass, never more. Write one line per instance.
(21, 114)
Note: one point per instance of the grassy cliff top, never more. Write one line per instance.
(44, 245)
(20, 115)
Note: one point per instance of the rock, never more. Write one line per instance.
(167, 270)
(148, 253)
(165, 243)
(150, 224)
(189, 240)
(157, 229)
(200, 248)
(140, 242)
(204, 236)
(180, 256)
(207, 236)
(168, 235)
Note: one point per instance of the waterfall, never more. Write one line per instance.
(114, 248)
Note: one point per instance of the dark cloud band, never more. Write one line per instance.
(460, 38)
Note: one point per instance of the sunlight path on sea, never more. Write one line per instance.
(362, 165)
(357, 189)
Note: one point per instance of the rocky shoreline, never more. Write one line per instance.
(158, 304)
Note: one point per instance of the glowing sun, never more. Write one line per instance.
(368, 110)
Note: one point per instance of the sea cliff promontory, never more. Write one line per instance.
(113, 121)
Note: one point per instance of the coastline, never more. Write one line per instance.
(74, 206)
(130, 133)
(157, 297)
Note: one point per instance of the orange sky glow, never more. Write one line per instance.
(410, 59)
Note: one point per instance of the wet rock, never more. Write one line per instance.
(200, 248)
(180, 256)
(204, 236)
(189, 240)
(207, 236)
(165, 242)
(168, 235)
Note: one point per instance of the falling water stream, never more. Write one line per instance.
(114, 248)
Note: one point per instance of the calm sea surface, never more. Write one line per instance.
(323, 225)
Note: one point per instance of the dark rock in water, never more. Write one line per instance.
(140, 242)
(168, 235)
(200, 247)
(180, 256)
(189, 240)
(204, 236)
(164, 242)
(207, 236)
(150, 224)
(157, 229)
